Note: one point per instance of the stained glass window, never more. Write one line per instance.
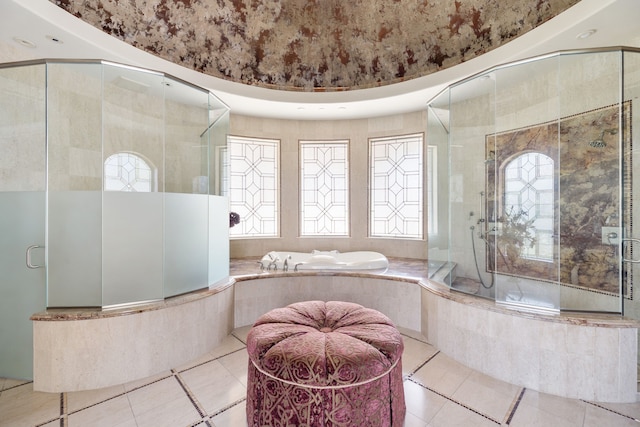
(253, 186)
(529, 189)
(396, 187)
(324, 188)
(128, 172)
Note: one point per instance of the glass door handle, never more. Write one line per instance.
(630, 260)
(29, 263)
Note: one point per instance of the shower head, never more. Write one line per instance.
(599, 142)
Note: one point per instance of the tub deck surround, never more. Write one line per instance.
(416, 271)
(78, 350)
(86, 313)
(577, 355)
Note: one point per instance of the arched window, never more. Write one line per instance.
(529, 192)
(128, 172)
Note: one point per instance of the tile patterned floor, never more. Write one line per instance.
(210, 391)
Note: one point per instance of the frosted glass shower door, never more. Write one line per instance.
(22, 215)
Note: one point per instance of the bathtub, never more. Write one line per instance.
(324, 260)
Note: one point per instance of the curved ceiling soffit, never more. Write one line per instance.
(316, 45)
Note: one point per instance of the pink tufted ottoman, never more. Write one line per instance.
(320, 364)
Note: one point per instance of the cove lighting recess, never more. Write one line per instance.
(25, 42)
(586, 34)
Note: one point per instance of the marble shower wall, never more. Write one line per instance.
(88, 122)
(23, 129)
(577, 91)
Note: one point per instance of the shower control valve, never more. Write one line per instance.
(610, 235)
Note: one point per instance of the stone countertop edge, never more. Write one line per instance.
(400, 270)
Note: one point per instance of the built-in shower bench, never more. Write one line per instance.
(584, 356)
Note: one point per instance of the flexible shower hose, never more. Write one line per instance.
(475, 259)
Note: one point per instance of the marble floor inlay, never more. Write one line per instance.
(210, 392)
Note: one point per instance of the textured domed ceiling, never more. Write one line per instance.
(316, 45)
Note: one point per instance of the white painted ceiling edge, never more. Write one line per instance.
(616, 22)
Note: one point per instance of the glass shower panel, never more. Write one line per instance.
(133, 114)
(218, 205)
(523, 188)
(590, 208)
(631, 192)
(74, 174)
(186, 201)
(216, 138)
(472, 121)
(441, 268)
(22, 218)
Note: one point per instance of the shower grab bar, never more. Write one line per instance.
(29, 249)
(633, 261)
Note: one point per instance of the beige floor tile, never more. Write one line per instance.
(7, 383)
(213, 386)
(237, 363)
(461, 398)
(235, 416)
(454, 415)
(442, 374)
(146, 381)
(486, 395)
(415, 354)
(629, 409)
(242, 332)
(533, 416)
(21, 406)
(112, 413)
(422, 403)
(83, 399)
(164, 403)
(229, 344)
(411, 420)
(598, 417)
(560, 408)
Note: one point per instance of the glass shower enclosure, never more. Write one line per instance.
(107, 199)
(538, 157)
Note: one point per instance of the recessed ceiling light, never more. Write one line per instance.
(24, 42)
(54, 39)
(586, 34)
(300, 108)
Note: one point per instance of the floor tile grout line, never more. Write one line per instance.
(133, 389)
(611, 410)
(238, 338)
(99, 403)
(62, 418)
(210, 360)
(195, 402)
(422, 364)
(455, 401)
(226, 408)
(124, 393)
(16, 386)
(63, 410)
(49, 421)
(514, 407)
(415, 339)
